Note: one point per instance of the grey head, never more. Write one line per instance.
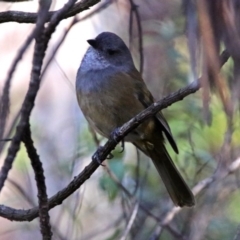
(107, 50)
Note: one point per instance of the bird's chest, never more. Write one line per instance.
(101, 106)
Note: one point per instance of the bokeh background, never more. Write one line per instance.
(100, 209)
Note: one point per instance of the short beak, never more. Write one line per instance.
(92, 42)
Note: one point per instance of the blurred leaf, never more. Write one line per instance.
(115, 235)
(22, 161)
(233, 210)
(117, 168)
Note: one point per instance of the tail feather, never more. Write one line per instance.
(178, 190)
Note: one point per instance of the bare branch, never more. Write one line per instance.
(28, 104)
(41, 186)
(134, 9)
(131, 221)
(26, 17)
(235, 165)
(101, 154)
(4, 107)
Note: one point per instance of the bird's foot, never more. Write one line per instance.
(110, 156)
(115, 134)
(96, 157)
(122, 146)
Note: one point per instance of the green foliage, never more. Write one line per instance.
(115, 234)
(232, 210)
(106, 183)
(22, 160)
(215, 227)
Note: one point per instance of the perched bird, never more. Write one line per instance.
(110, 91)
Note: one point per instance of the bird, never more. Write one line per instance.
(110, 91)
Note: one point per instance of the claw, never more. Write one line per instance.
(96, 157)
(115, 134)
(110, 156)
(122, 146)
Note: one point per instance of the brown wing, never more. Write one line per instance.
(146, 98)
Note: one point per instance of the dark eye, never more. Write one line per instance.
(112, 51)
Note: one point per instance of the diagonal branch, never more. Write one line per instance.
(101, 154)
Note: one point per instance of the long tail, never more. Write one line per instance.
(177, 188)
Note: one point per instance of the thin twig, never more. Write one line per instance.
(235, 165)
(134, 9)
(57, 46)
(131, 221)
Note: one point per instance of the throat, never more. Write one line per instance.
(93, 61)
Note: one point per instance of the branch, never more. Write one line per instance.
(27, 17)
(131, 221)
(233, 167)
(28, 104)
(41, 186)
(102, 152)
(134, 9)
(5, 102)
(100, 155)
(4, 106)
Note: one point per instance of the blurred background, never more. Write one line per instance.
(207, 140)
